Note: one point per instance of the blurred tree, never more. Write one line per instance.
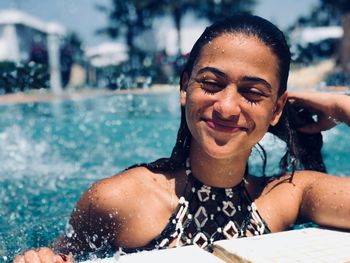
(128, 18)
(319, 16)
(177, 10)
(217, 9)
(342, 7)
(210, 9)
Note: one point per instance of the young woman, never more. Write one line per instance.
(233, 91)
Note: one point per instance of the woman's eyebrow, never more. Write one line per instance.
(212, 70)
(222, 74)
(257, 80)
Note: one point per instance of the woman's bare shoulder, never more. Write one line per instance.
(117, 205)
(281, 198)
(122, 188)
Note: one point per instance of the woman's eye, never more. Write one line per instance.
(252, 96)
(210, 87)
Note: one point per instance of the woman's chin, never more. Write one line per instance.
(222, 152)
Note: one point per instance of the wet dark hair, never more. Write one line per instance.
(299, 147)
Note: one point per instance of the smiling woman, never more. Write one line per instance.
(233, 94)
(233, 91)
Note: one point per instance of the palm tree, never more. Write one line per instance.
(209, 9)
(128, 18)
(177, 10)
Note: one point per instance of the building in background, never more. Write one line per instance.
(24, 39)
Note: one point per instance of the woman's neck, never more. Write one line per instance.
(214, 172)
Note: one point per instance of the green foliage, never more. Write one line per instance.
(22, 77)
(218, 9)
(152, 68)
(128, 18)
(209, 9)
(320, 15)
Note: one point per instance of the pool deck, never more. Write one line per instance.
(47, 96)
(304, 245)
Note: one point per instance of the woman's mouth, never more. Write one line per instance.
(224, 126)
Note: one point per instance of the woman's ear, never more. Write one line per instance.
(281, 101)
(183, 90)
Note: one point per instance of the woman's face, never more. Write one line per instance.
(231, 96)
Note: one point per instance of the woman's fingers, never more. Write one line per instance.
(61, 258)
(19, 259)
(32, 256)
(43, 255)
(46, 255)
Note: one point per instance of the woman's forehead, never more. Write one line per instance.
(236, 39)
(230, 48)
(239, 56)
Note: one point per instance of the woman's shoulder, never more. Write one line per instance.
(279, 198)
(299, 180)
(123, 190)
(122, 205)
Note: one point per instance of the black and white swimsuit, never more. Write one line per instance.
(206, 214)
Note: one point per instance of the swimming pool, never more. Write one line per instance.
(51, 152)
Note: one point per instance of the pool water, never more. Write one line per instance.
(51, 152)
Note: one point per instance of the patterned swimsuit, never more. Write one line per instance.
(206, 214)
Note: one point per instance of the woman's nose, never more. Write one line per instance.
(228, 103)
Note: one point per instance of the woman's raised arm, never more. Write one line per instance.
(330, 109)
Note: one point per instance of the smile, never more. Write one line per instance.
(224, 126)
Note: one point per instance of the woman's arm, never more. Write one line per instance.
(326, 199)
(330, 109)
(311, 196)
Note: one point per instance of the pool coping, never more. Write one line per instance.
(302, 245)
(44, 95)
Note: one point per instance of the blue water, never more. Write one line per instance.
(51, 152)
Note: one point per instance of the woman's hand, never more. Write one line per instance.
(42, 255)
(329, 109)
